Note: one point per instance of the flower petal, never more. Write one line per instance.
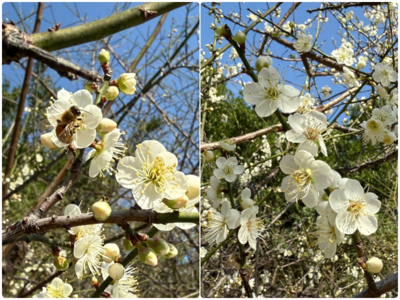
(338, 201)
(254, 93)
(82, 99)
(367, 225)
(308, 146)
(287, 164)
(346, 222)
(296, 121)
(92, 116)
(266, 108)
(311, 199)
(84, 137)
(322, 174)
(353, 190)
(233, 219)
(373, 204)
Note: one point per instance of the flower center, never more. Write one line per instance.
(385, 73)
(312, 131)
(55, 292)
(301, 184)
(356, 207)
(228, 169)
(272, 93)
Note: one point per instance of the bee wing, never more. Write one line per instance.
(65, 135)
(53, 120)
(44, 125)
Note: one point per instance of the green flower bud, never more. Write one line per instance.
(112, 93)
(209, 155)
(172, 251)
(106, 126)
(147, 256)
(176, 203)
(101, 210)
(240, 37)
(127, 245)
(292, 24)
(220, 30)
(112, 252)
(194, 186)
(104, 56)
(374, 265)
(127, 83)
(88, 86)
(159, 246)
(47, 142)
(61, 263)
(263, 62)
(116, 271)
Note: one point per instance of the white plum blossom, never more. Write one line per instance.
(228, 169)
(56, 289)
(384, 74)
(88, 251)
(306, 103)
(344, 55)
(349, 78)
(306, 130)
(228, 145)
(384, 114)
(219, 223)
(83, 230)
(373, 128)
(89, 119)
(386, 137)
(152, 175)
(250, 227)
(268, 94)
(107, 149)
(126, 287)
(329, 236)
(326, 91)
(355, 209)
(304, 43)
(246, 201)
(214, 192)
(306, 177)
(391, 99)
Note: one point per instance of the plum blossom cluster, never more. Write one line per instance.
(77, 121)
(382, 125)
(222, 216)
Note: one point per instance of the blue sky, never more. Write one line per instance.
(328, 35)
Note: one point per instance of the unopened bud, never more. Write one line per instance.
(292, 24)
(240, 37)
(159, 246)
(176, 203)
(112, 93)
(374, 265)
(220, 30)
(172, 251)
(104, 56)
(112, 252)
(209, 155)
(101, 210)
(194, 186)
(61, 263)
(88, 86)
(263, 62)
(127, 245)
(106, 126)
(147, 256)
(127, 83)
(116, 271)
(47, 142)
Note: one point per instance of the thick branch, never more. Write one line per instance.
(243, 138)
(387, 284)
(65, 68)
(102, 28)
(120, 217)
(339, 99)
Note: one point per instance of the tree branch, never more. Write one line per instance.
(346, 5)
(102, 28)
(371, 164)
(121, 217)
(387, 284)
(243, 138)
(21, 103)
